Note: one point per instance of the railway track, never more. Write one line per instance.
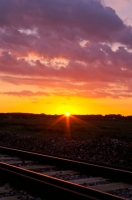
(46, 175)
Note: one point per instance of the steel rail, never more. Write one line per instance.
(48, 186)
(78, 160)
(93, 169)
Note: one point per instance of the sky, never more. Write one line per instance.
(59, 56)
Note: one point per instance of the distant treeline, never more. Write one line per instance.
(42, 115)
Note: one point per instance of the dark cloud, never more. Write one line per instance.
(86, 18)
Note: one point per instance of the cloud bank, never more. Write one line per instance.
(77, 45)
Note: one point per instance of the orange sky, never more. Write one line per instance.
(61, 105)
(77, 58)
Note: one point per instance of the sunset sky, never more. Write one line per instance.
(59, 56)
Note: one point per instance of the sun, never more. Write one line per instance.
(67, 114)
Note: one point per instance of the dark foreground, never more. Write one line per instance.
(105, 140)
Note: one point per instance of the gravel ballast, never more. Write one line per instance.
(103, 150)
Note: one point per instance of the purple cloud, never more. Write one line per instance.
(63, 43)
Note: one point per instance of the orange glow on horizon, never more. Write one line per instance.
(67, 114)
(60, 105)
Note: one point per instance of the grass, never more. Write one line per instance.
(81, 129)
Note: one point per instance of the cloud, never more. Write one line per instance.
(71, 19)
(65, 45)
(25, 93)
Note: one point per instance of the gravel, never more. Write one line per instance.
(126, 193)
(104, 150)
(17, 194)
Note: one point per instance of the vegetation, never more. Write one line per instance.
(81, 127)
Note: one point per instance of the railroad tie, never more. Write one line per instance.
(9, 198)
(8, 158)
(60, 172)
(33, 167)
(19, 162)
(88, 180)
(111, 186)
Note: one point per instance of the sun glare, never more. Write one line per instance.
(67, 114)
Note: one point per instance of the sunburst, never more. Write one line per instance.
(67, 114)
